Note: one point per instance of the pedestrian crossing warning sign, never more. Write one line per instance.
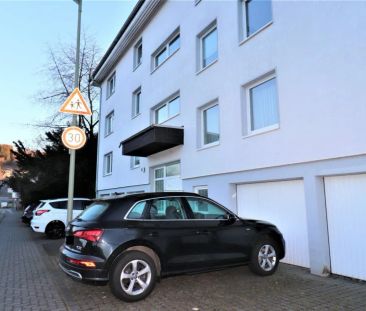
(76, 104)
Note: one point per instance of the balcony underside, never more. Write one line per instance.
(152, 140)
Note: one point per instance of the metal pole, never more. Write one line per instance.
(70, 197)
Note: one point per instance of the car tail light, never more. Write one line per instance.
(90, 235)
(85, 263)
(41, 211)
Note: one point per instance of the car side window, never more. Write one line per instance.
(77, 206)
(203, 209)
(59, 205)
(166, 208)
(138, 211)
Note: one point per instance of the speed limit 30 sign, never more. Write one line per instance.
(73, 137)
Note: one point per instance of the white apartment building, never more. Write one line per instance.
(258, 104)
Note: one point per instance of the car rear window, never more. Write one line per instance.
(93, 211)
(59, 204)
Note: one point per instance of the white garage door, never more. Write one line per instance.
(346, 212)
(283, 204)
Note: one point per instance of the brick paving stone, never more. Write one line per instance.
(31, 280)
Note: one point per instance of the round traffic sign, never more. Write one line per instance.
(73, 137)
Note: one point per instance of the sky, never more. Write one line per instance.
(27, 30)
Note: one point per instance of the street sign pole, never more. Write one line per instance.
(74, 122)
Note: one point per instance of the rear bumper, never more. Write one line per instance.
(38, 226)
(81, 273)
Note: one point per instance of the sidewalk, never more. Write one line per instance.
(31, 280)
(24, 280)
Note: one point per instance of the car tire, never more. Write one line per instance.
(133, 276)
(55, 230)
(264, 257)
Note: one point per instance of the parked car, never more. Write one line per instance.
(50, 217)
(134, 240)
(28, 212)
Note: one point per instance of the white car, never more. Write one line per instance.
(50, 216)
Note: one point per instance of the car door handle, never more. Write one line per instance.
(153, 234)
(202, 232)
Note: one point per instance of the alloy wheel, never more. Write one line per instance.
(267, 257)
(135, 277)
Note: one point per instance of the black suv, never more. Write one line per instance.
(134, 240)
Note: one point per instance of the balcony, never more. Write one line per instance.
(153, 139)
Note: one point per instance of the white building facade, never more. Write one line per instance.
(258, 104)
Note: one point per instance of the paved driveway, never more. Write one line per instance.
(31, 280)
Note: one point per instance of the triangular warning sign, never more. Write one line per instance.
(75, 104)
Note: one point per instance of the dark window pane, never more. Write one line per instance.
(59, 205)
(139, 54)
(93, 211)
(77, 206)
(258, 14)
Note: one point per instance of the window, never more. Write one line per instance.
(167, 178)
(201, 190)
(208, 46)
(257, 14)
(167, 208)
(263, 106)
(136, 101)
(135, 162)
(211, 125)
(111, 85)
(109, 123)
(137, 211)
(203, 209)
(60, 204)
(93, 211)
(138, 54)
(167, 110)
(107, 165)
(168, 48)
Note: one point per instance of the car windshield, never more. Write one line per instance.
(93, 211)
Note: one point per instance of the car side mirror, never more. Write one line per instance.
(230, 218)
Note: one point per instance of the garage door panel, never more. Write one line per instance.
(346, 213)
(283, 204)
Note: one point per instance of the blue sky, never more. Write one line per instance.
(27, 29)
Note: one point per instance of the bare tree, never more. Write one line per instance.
(60, 83)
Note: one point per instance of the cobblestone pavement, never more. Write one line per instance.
(31, 280)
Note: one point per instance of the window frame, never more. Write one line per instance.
(136, 95)
(110, 92)
(136, 62)
(133, 164)
(165, 47)
(105, 172)
(109, 119)
(165, 177)
(203, 34)
(244, 21)
(250, 86)
(202, 111)
(166, 103)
